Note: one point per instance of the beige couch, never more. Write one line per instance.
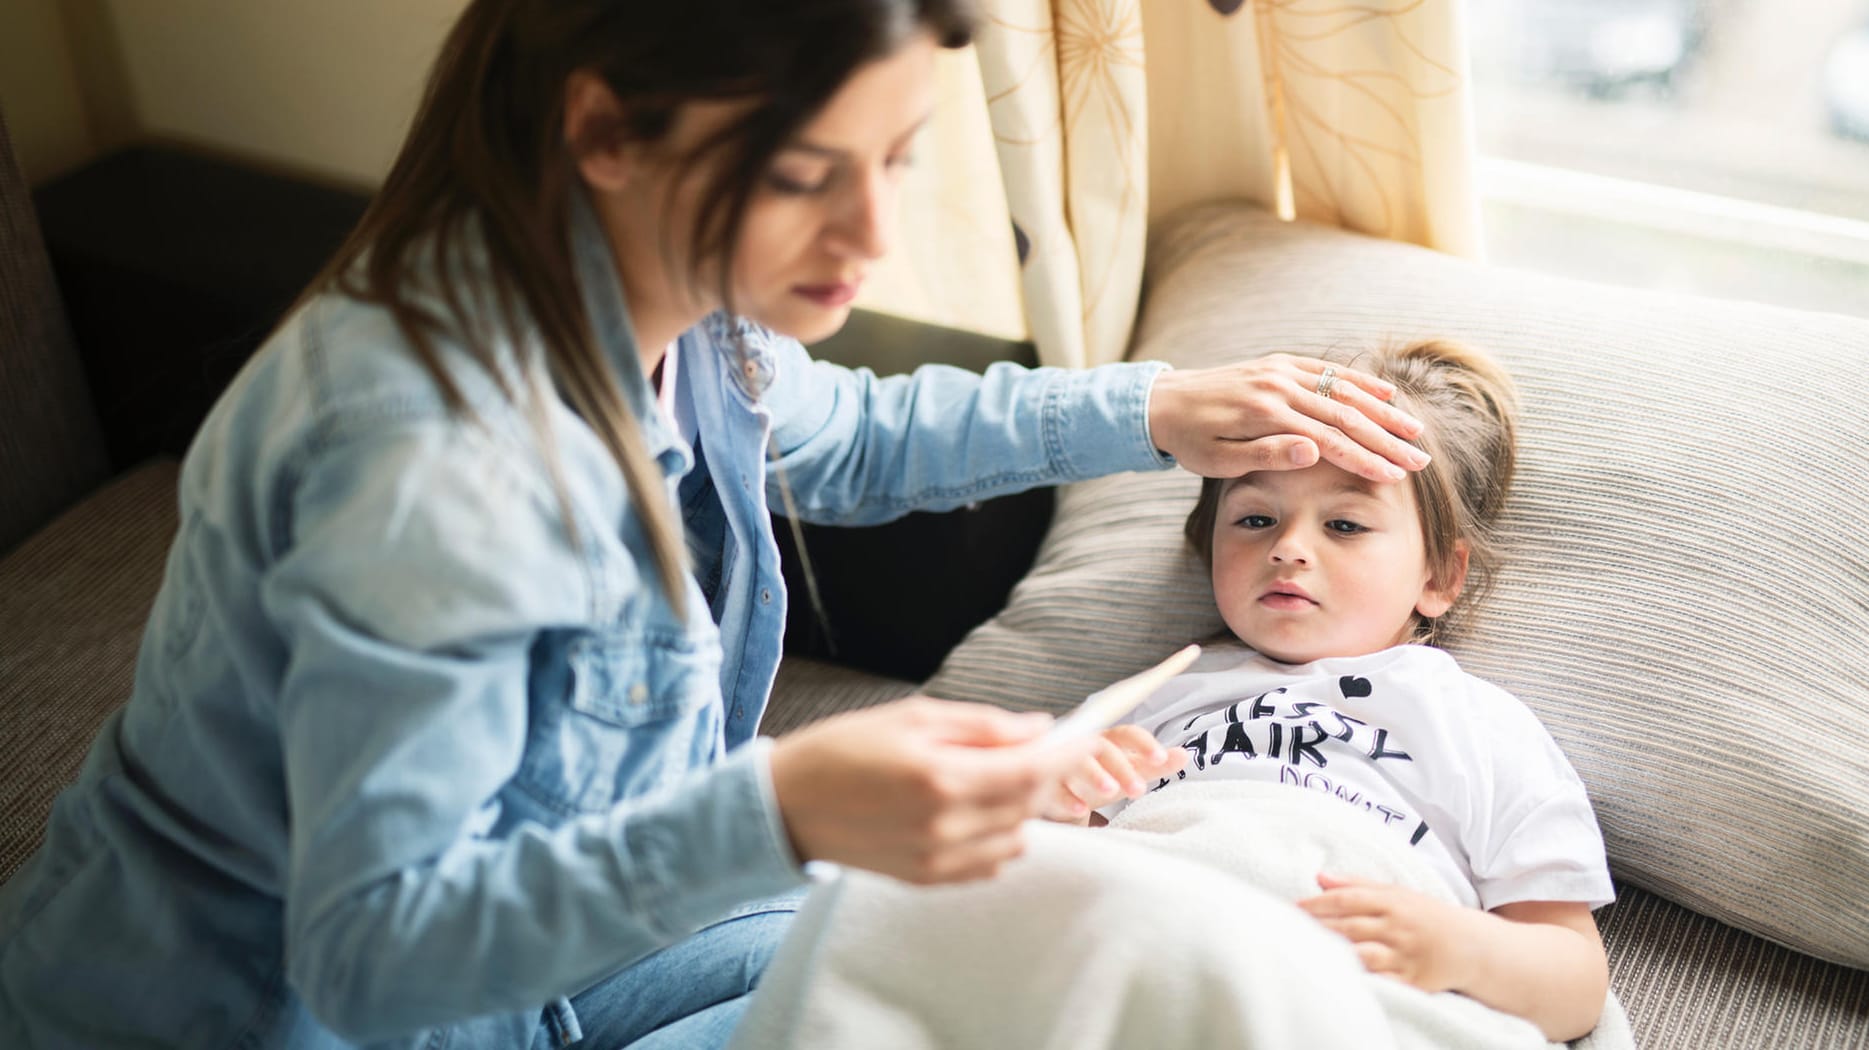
(1724, 739)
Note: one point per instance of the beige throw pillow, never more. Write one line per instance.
(1686, 598)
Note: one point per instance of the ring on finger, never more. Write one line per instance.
(1326, 382)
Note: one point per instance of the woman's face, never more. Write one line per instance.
(820, 215)
(826, 209)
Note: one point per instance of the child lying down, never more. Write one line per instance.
(1336, 587)
(1441, 852)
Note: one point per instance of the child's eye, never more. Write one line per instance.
(1344, 527)
(1256, 521)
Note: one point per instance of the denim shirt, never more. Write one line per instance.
(403, 749)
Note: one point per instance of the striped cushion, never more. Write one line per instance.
(807, 690)
(1689, 983)
(1686, 600)
(72, 603)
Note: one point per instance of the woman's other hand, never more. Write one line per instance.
(1124, 763)
(923, 790)
(1267, 414)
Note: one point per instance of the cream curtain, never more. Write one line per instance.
(1101, 114)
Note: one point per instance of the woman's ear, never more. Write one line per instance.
(594, 132)
(1437, 596)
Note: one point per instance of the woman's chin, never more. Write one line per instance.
(807, 322)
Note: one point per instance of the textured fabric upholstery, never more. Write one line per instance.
(1690, 983)
(51, 451)
(1686, 598)
(72, 603)
(808, 689)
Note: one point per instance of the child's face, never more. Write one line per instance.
(1318, 562)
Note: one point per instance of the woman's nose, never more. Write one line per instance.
(868, 217)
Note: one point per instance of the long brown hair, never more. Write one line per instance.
(1468, 406)
(475, 212)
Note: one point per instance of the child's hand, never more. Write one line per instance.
(1399, 932)
(1126, 760)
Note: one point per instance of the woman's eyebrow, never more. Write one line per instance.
(835, 153)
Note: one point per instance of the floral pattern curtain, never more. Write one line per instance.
(1099, 114)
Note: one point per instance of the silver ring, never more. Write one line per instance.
(1326, 382)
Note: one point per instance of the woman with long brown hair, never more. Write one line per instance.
(444, 726)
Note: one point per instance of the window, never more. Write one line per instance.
(1714, 146)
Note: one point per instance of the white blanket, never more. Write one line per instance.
(1171, 928)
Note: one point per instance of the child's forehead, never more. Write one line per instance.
(1317, 479)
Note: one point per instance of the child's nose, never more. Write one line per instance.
(1289, 549)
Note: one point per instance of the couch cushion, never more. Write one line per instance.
(1686, 599)
(73, 599)
(807, 690)
(1688, 982)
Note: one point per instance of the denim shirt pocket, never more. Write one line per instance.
(622, 713)
(632, 681)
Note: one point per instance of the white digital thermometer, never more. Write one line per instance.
(1106, 706)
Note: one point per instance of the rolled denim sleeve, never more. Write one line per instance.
(418, 567)
(858, 449)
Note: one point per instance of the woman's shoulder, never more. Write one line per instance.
(353, 358)
(337, 379)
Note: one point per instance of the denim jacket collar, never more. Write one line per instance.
(608, 314)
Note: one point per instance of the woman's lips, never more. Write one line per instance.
(828, 294)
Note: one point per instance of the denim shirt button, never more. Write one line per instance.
(765, 596)
(638, 693)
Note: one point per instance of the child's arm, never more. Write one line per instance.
(1540, 960)
(1125, 761)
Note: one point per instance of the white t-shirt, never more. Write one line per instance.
(1451, 764)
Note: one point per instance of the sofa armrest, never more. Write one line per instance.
(174, 266)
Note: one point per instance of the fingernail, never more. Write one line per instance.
(1418, 458)
(1394, 473)
(1106, 786)
(1301, 455)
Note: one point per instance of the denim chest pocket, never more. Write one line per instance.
(633, 681)
(614, 716)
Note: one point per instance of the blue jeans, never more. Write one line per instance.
(688, 996)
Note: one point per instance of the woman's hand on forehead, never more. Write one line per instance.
(1278, 412)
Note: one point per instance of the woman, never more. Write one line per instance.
(444, 723)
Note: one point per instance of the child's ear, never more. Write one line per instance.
(1437, 596)
(594, 132)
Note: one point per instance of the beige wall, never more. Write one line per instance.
(324, 87)
(39, 90)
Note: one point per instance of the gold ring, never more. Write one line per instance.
(1326, 382)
